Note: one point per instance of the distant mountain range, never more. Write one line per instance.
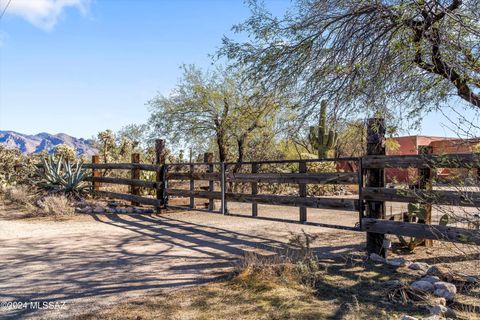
(28, 144)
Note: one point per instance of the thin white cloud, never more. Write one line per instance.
(43, 14)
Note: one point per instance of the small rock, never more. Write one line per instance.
(83, 210)
(375, 257)
(431, 279)
(113, 204)
(392, 283)
(137, 210)
(441, 272)
(81, 204)
(472, 279)
(98, 210)
(129, 210)
(423, 286)
(110, 210)
(419, 266)
(439, 310)
(445, 289)
(148, 211)
(407, 317)
(121, 210)
(397, 262)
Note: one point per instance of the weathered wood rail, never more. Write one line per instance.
(471, 160)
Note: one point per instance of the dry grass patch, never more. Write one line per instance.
(20, 195)
(281, 288)
(57, 207)
(243, 297)
(36, 204)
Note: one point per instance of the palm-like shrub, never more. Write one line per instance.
(62, 176)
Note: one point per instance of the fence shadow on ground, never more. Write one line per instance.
(149, 252)
(144, 253)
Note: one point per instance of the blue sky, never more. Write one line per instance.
(81, 66)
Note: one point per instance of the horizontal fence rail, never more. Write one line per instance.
(129, 197)
(425, 231)
(437, 197)
(423, 161)
(123, 166)
(292, 201)
(311, 178)
(124, 181)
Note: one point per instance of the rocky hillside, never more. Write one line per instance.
(44, 142)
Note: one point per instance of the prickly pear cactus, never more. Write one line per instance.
(320, 137)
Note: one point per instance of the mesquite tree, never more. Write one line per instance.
(395, 55)
(213, 105)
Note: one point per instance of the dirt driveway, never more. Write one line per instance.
(97, 260)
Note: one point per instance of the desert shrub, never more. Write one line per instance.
(20, 195)
(56, 206)
(15, 168)
(17, 194)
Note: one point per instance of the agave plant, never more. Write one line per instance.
(59, 175)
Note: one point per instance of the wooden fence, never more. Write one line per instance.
(369, 178)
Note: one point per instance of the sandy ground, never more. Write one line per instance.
(94, 261)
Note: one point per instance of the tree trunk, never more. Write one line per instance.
(222, 147)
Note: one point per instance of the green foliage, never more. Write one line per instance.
(444, 220)
(416, 210)
(106, 143)
(321, 138)
(65, 151)
(61, 176)
(393, 57)
(216, 108)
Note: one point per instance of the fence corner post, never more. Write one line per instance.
(192, 183)
(95, 173)
(375, 177)
(161, 175)
(254, 186)
(302, 168)
(223, 187)
(135, 174)
(425, 182)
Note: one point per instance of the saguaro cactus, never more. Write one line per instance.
(319, 139)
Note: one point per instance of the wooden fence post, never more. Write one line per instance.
(223, 187)
(95, 173)
(135, 174)
(192, 184)
(208, 158)
(425, 182)
(161, 177)
(302, 168)
(254, 186)
(375, 178)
